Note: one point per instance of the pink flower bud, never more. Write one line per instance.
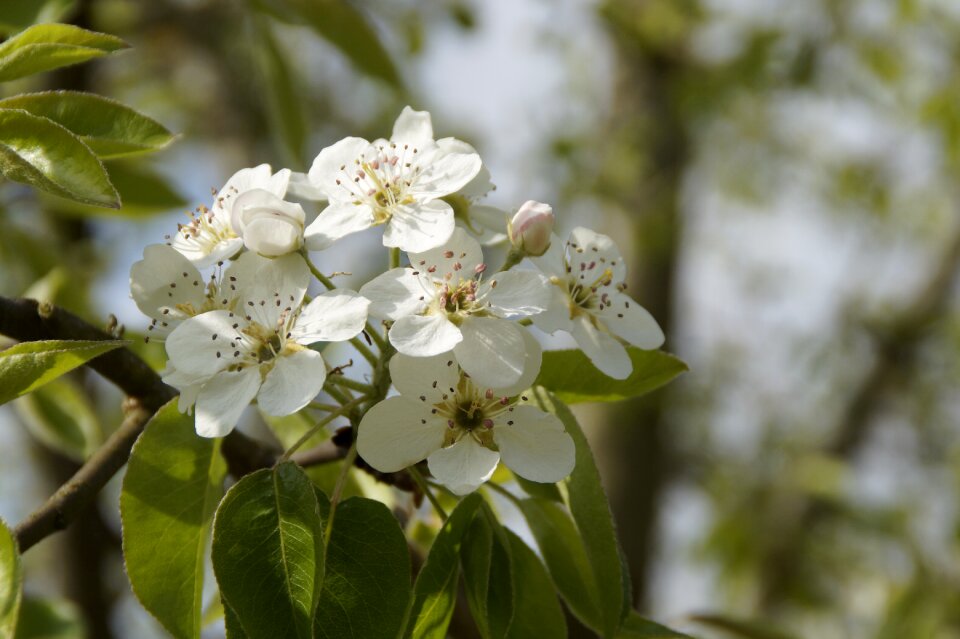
(531, 227)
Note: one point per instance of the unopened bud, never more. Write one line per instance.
(531, 227)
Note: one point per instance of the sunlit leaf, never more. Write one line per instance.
(173, 484)
(48, 46)
(142, 191)
(50, 619)
(27, 366)
(60, 415)
(43, 154)
(10, 581)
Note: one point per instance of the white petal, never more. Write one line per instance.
(397, 293)
(337, 220)
(293, 381)
(426, 377)
(557, 316)
(302, 187)
(630, 321)
(188, 397)
(257, 177)
(492, 351)
(256, 202)
(273, 236)
(192, 347)
(488, 223)
(551, 263)
(397, 433)
(533, 358)
(412, 127)
(279, 182)
(517, 293)
(586, 246)
(443, 172)
(481, 184)
(463, 466)
(220, 252)
(419, 226)
(457, 257)
(278, 285)
(333, 316)
(150, 281)
(535, 446)
(424, 335)
(221, 401)
(326, 170)
(606, 353)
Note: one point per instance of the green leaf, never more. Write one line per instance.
(49, 46)
(50, 619)
(20, 14)
(60, 415)
(536, 489)
(173, 484)
(487, 568)
(27, 366)
(636, 627)
(746, 629)
(268, 552)
(10, 581)
(142, 191)
(344, 26)
(573, 379)
(43, 154)
(591, 513)
(537, 613)
(109, 128)
(435, 591)
(366, 584)
(232, 624)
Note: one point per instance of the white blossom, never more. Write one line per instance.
(589, 301)
(398, 183)
(461, 428)
(531, 228)
(445, 301)
(223, 359)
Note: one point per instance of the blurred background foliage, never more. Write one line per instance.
(783, 175)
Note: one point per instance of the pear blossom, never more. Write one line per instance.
(445, 301)
(531, 228)
(268, 224)
(487, 223)
(462, 428)
(590, 303)
(398, 183)
(223, 359)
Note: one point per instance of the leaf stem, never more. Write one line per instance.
(422, 485)
(346, 382)
(364, 350)
(338, 491)
(326, 281)
(343, 410)
(394, 258)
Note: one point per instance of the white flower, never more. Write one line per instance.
(460, 428)
(225, 358)
(531, 228)
(268, 224)
(168, 288)
(396, 182)
(444, 302)
(589, 301)
(487, 223)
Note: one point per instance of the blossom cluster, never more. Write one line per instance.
(228, 292)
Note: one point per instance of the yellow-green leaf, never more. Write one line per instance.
(60, 415)
(10, 581)
(27, 366)
(44, 47)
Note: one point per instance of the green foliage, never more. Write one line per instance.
(20, 14)
(43, 154)
(744, 629)
(485, 558)
(173, 484)
(49, 619)
(536, 611)
(44, 47)
(110, 129)
(27, 366)
(573, 379)
(366, 583)
(10, 581)
(435, 591)
(142, 191)
(268, 552)
(60, 415)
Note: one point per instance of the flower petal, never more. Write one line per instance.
(151, 279)
(481, 184)
(251, 203)
(516, 293)
(277, 287)
(535, 445)
(424, 377)
(302, 187)
(488, 223)
(552, 262)
(221, 401)
(272, 236)
(412, 127)
(444, 171)
(586, 245)
(492, 351)
(557, 316)
(397, 293)
(533, 358)
(327, 168)
(606, 353)
(333, 316)
(199, 345)
(338, 220)
(457, 257)
(463, 466)
(257, 177)
(419, 226)
(294, 380)
(397, 433)
(630, 321)
(424, 335)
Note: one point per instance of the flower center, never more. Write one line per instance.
(205, 230)
(381, 179)
(470, 411)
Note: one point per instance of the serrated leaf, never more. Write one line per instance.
(537, 612)
(27, 366)
(44, 47)
(43, 154)
(10, 581)
(50, 619)
(268, 552)
(232, 624)
(435, 591)
(573, 379)
(20, 14)
(366, 583)
(636, 627)
(591, 513)
(60, 415)
(109, 128)
(173, 484)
